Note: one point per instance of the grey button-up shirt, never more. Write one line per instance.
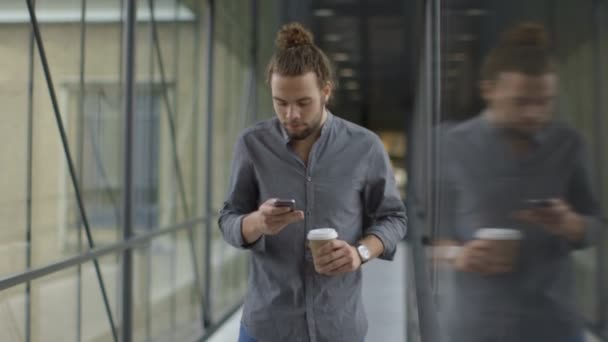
(349, 185)
(483, 184)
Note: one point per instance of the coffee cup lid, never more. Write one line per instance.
(498, 234)
(322, 234)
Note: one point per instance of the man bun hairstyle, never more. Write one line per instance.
(522, 49)
(296, 54)
(292, 36)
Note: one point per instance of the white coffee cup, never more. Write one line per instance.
(506, 241)
(319, 237)
(498, 234)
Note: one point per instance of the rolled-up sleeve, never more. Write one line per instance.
(384, 208)
(242, 199)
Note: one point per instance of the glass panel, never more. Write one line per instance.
(233, 86)
(54, 229)
(12, 314)
(188, 296)
(13, 141)
(167, 303)
(98, 125)
(54, 307)
(511, 162)
(231, 114)
(95, 324)
(268, 21)
(229, 268)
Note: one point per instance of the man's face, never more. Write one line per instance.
(299, 103)
(521, 103)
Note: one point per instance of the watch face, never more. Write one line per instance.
(363, 251)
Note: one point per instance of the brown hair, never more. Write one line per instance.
(523, 49)
(296, 54)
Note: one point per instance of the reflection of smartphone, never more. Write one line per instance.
(539, 203)
(289, 203)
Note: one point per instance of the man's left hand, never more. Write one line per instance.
(558, 219)
(336, 257)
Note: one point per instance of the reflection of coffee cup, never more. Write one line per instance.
(504, 241)
(319, 237)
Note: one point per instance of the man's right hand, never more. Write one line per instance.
(482, 256)
(268, 220)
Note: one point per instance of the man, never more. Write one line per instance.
(340, 177)
(515, 167)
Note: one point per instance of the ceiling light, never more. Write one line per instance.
(340, 57)
(347, 72)
(465, 37)
(452, 73)
(475, 12)
(323, 12)
(457, 57)
(333, 38)
(351, 85)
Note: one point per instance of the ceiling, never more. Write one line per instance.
(380, 41)
(375, 46)
(366, 40)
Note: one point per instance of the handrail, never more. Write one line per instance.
(94, 254)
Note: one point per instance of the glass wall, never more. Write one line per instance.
(458, 36)
(61, 270)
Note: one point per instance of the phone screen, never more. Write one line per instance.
(290, 203)
(539, 203)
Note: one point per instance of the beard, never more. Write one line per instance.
(524, 132)
(516, 133)
(309, 129)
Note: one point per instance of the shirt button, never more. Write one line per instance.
(309, 179)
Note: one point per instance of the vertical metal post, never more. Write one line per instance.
(255, 24)
(29, 182)
(128, 110)
(120, 38)
(208, 304)
(173, 258)
(80, 156)
(437, 98)
(600, 126)
(195, 151)
(148, 249)
(428, 324)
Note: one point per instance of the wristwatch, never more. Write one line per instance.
(363, 252)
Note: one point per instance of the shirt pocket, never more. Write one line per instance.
(338, 204)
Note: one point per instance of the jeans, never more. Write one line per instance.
(244, 335)
(580, 337)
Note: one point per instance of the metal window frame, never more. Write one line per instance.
(600, 124)
(93, 254)
(207, 298)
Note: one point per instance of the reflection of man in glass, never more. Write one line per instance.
(514, 167)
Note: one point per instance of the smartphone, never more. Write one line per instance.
(289, 203)
(539, 203)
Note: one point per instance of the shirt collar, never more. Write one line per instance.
(537, 138)
(324, 129)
